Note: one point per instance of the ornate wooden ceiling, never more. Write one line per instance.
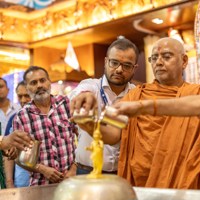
(54, 26)
(68, 20)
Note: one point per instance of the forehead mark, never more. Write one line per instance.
(159, 48)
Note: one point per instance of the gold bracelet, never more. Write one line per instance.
(154, 107)
(9, 181)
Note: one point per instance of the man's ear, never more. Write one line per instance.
(135, 67)
(105, 60)
(185, 61)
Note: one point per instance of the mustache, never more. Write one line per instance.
(41, 90)
(118, 74)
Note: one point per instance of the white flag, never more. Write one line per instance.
(70, 57)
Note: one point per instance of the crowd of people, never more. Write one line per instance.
(158, 148)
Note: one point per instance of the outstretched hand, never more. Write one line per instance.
(85, 100)
(131, 109)
(18, 139)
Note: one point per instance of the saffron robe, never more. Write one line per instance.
(161, 151)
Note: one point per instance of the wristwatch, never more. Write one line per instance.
(1, 139)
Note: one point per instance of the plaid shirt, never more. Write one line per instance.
(55, 133)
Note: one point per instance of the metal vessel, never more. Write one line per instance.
(97, 186)
(107, 187)
(29, 157)
(108, 116)
(82, 118)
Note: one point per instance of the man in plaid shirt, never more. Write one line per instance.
(46, 118)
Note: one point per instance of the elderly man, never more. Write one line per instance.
(15, 175)
(158, 151)
(46, 118)
(119, 68)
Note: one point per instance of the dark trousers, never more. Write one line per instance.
(82, 169)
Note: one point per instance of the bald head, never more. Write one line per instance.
(170, 42)
(168, 60)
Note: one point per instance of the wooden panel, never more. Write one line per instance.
(180, 15)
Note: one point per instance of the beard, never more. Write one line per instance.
(121, 82)
(38, 96)
(117, 83)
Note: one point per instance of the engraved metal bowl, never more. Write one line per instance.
(108, 187)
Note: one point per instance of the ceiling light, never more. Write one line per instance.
(60, 82)
(157, 21)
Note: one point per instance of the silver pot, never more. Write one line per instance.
(82, 118)
(108, 187)
(29, 157)
(108, 116)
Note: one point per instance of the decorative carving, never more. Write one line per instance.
(64, 17)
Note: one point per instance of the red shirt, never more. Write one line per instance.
(55, 132)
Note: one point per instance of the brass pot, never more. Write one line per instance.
(82, 118)
(29, 157)
(108, 117)
(107, 187)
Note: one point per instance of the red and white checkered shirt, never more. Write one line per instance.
(55, 132)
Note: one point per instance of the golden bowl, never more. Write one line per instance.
(107, 187)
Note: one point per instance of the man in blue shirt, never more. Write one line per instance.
(21, 176)
(7, 108)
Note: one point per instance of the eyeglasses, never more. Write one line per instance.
(128, 67)
(164, 56)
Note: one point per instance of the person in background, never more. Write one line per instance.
(119, 69)
(46, 119)
(15, 175)
(157, 151)
(7, 108)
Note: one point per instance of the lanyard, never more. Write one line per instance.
(103, 95)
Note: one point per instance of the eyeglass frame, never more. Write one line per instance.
(170, 55)
(120, 64)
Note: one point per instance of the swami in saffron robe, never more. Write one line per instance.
(161, 151)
